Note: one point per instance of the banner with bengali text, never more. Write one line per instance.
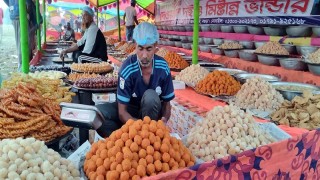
(244, 12)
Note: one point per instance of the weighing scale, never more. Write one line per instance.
(81, 116)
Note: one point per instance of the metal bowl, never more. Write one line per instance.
(186, 45)
(208, 40)
(175, 28)
(215, 27)
(240, 29)
(248, 55)
(268, 60)
(255, 30)
(182, 28)
(247, 44)
(204, 28)
(230, 41)
(210, 65)
(293, 64)
(175, 37)
(178, 44)
(170, 28)
(316, 31)
(275, 31)
(201, 41)
(218, 41)
(242, 77)
(290, 48)
(189, 28)
(160, 42)
(204, 48)
(159, 27)
(258, 44)
(296, 89)
(184, 38)
(231, 53)
(314, 68)
(165, 28)
(299, 31)
(190, 38)
(170, 43)
(231, 71)
(217, 51)
(306, 50)
(226, 29)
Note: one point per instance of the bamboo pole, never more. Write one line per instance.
(195, 32)
(24, 36)
(118, 14)
(44, 21)
(38, 28)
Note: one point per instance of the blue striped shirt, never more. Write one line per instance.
(131, 86)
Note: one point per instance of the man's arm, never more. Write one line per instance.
(124, 116)
(69, 50)
(166, 111)
(135, 20)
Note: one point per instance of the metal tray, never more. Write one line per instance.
(229, 49)
(92, 72)
(242, 77)
(273, 55)
(231, 71)
(96, 89)
(210, 64)
(290, 94)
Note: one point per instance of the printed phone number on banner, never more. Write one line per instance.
(256, 21)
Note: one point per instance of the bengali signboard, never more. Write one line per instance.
(253, 12)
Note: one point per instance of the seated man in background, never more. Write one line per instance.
(145, 86)
(92, 45)
(69, 34)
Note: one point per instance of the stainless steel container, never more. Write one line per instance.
(293, 64)
(248, 55)
(296, 89)
(268, 60)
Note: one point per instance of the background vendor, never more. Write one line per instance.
(145, 85)
(92, 46)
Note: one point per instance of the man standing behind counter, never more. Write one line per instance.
(92, 45)
(145, 85)
(130, 17)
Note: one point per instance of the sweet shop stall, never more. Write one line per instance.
(246, 106)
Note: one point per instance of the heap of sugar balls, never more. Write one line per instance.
(225, 130)
(31, 159)
(259, 94)
(140, 148)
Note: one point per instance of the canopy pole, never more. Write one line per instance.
(195, 32)
(44, 21)
(119, 27)
(38, 22)
(24, 36)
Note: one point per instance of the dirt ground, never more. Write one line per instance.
(8, 53)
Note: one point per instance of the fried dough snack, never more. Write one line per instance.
(175, 61)
(76, 76)
(162, 52)
(48, 88)
(315, 57)
(218, 83)
(24, 112)
(120, 44)
(302, 112)
(103, 67)
(131, 48)
(230, 45)
(271, 47)
(111, 41)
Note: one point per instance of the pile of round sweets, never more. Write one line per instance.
(192, 75)
(31, 159)
(225, 130)
(140, 148)
(257, 93)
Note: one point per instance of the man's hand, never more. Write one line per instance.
(165, 120)
(63, 53)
